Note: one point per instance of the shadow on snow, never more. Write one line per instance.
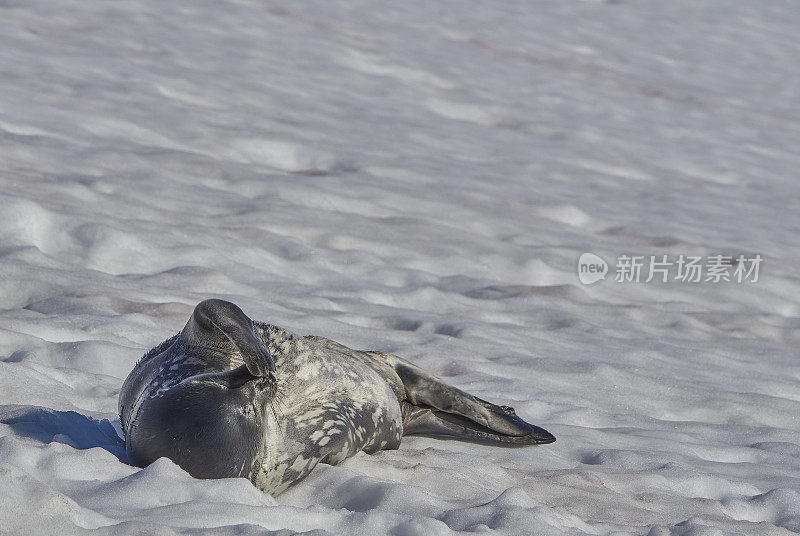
(68, 427)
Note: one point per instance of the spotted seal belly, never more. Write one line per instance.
(229, 397)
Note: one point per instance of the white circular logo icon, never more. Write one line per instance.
(591, 268)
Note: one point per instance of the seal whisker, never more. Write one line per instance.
(275, 416)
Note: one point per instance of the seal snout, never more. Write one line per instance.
(259, 361)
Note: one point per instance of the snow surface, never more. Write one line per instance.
(419, 178)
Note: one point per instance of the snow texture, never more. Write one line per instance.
(420, 178)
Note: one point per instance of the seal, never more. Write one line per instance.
(229, 397)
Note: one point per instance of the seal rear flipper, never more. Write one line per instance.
(433, 422)
(431, 407)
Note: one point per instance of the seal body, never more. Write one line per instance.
(228, 397)
(328, 407)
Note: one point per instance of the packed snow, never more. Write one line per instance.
(419, 178)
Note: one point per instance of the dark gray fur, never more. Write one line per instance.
(228, 397)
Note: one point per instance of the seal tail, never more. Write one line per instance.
(431, 407)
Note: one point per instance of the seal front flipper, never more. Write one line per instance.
(218, 324)
(431, 407)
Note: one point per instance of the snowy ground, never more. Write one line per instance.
(420, 179)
